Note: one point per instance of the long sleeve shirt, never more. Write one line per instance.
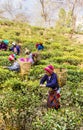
(15, 49)
(3, 46)
(14, 67)
(52, 81)
(40, 47)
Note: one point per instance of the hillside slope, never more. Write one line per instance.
(22, 101)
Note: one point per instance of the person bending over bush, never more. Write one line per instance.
(51, 82)
(4, 45)
(15, 65)
(15, 48)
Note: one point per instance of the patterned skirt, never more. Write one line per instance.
(53, 99)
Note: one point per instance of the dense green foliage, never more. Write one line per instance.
(22, 101)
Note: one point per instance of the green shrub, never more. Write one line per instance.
(22, 100)
(5, 75)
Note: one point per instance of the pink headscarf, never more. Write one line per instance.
(11, 57)
(49, 69)
(37, 44)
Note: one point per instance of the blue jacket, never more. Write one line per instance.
(52, 81)
(17, 48)
(40, 47)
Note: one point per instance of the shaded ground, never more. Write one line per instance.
(78, 38)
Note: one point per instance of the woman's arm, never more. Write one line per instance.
(43, 79)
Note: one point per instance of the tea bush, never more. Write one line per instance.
(22, 100)
(5, 75)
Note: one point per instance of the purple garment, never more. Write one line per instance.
(30, 60)
(3, 46)
(22, 59)
(52, 81)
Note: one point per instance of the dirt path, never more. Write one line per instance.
(78, 38)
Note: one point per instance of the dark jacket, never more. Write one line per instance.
(3, 46)
(40, 47)
(52, 81)
(17, 49)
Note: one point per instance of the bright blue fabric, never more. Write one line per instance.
(40, 47)
(6, 42)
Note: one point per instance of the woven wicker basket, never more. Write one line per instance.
(24, 67)
(62, 76)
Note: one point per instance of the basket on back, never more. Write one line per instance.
(24, 67)
(62, 76)
(37, 57)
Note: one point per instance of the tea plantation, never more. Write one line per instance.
(22, 100)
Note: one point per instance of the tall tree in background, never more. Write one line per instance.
(45, 5)
(64, 22)
(61, 22)
(68, 18)
(74, 7)
(48, 10)
(13, 10)
(43, 13)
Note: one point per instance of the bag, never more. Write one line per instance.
(36, 56)
(24, 67)
(61, 76)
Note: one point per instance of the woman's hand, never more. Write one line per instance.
(42, 85)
